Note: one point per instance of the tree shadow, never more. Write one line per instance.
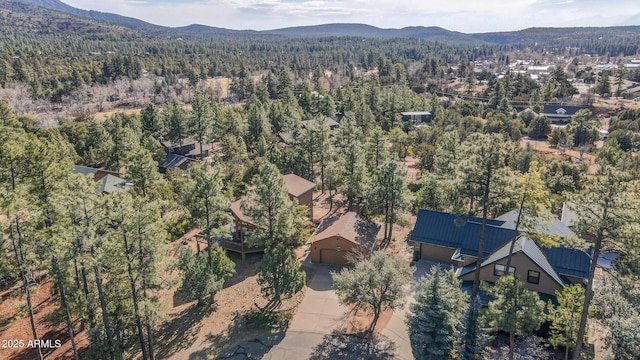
(180, 332)
(256, 346)
(339, 345)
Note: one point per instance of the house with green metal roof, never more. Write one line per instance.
(452, 239)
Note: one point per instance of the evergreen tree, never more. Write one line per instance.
(389, 195)
(481, 168)
(175, 118)
(151, 121)
(514, 310)
(435, 321)
(605, 214)
(199, 279)
(270, 208)
(565, 318)
(279, 275)
(200, 121)
(204, 198)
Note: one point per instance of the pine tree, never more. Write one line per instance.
(514, 310)
(605, 214)
(198, 278)
(389, 195)
(279, 275)
(435, 321)
(482, 166)
(151, 121)
(175, 118)
(565, 318)
(204, 198)
(200, 121)
(270, 208)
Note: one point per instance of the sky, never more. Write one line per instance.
(459, 15)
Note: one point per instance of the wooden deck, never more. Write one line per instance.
(232, 245)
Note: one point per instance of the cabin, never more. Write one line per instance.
(188, 148)
(453, 240)
(108, 181)
(175, 161)
(299, 190)
(331, 123)
(342, 235)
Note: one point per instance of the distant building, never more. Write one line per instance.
(416, 117)
(561, 114)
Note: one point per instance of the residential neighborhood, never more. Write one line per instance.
(389, 190)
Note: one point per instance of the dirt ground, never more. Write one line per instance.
(543, 148)
(15, 325)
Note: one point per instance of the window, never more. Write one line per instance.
(533, 277)
(499, 269)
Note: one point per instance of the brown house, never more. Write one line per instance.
(528, 261)
(301, 190)
(341, 235)
(298, 188)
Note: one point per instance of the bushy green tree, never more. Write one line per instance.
(199, 279)
(373, 285)
(279, 275)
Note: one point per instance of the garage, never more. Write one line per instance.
(332, 256)
(342, 234)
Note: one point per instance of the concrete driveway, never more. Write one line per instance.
(318, 315)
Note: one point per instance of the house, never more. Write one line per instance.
(189, 148)
(416, 117)
(108, 181)
(174, 161)
(451, 239)
(286, 138)
(333, 124)
(561, 114)
(340, 235)
(299, 189)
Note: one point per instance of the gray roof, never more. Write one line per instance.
(555, 228)
(84, 170)
(568, 217)
(172, 161)
(528, 248)
(111, 183)
(331, 122)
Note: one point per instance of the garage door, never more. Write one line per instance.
(332, 256)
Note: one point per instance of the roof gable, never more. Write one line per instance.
(562, 110)
(350, 226)
(296, 185)
(529, 249)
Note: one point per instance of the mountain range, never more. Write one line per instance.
(54, 16)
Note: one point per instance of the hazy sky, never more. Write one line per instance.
(459, 15)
